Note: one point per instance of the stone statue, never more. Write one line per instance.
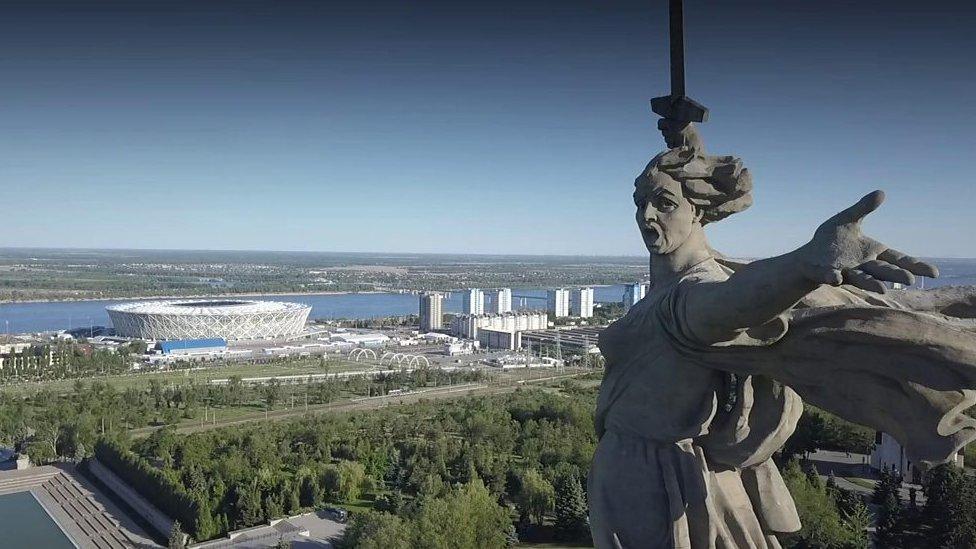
(705, 375)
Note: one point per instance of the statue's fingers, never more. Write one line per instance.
(867, 204)
(909, 263)
(863, 281)
(883, 270)
(822, 274)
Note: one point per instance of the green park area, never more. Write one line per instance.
(200, 372)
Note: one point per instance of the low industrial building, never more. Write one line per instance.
(508, 362)
(577, 340)
(457, 348)
(499, 339)
(361, 339)
(193, 347)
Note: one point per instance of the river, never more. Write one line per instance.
(68, 315)
(63, 315)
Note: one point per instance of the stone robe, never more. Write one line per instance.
(687, 429)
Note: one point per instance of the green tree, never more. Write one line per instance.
(177, 539)
(823, 525)
(536, 496)
(891, 523)
(949, 512)
(330, 483)
(466, 518)
(205, 527)
(248, 506)
(310, 494)
(235, 391)
(375, 530)
(570, 507)
(272, 392)
(352, 475)
(293, 498)
(138, 347)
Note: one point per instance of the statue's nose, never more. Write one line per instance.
(650, 214)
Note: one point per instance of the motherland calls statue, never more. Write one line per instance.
(705, 375)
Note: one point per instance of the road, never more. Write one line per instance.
(365, 403)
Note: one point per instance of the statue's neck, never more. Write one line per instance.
(691, 252)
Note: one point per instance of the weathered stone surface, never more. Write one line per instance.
(706, 374)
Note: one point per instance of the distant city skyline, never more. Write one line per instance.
(474, 128)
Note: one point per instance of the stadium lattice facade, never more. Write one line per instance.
(200, 319)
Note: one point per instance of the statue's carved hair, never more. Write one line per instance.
(717, 185)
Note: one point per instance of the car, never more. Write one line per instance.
(337, 514)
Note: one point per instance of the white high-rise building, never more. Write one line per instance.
(634, 293)
(431, 311)
(474, 302)
(502, 301)
(581, 302)
(557, 302)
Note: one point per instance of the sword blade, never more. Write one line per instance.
(677, 34)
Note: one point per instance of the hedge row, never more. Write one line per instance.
(167, 496)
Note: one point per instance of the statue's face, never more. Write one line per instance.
(664, 216)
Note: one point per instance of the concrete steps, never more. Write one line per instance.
(100, 529)
(75, 506)
(24, 480)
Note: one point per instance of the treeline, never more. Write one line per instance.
(150, 482)
(831, 518)
(65, 361)
(49, 426)
(516, 462)
(821, 430)
(947, 518)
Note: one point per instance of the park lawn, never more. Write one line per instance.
(202, 375)
(357, 506)
(862, 482)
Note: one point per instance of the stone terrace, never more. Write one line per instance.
(86, 515)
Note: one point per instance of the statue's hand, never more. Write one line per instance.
(841, 253)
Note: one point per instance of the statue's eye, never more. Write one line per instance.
(665, 205)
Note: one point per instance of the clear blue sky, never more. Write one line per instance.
(482, 127)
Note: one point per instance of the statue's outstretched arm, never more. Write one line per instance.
(760, 291)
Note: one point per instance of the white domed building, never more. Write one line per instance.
(229, 319)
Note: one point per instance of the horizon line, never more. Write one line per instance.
(485, 254)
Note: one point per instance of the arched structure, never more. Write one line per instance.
(229, 319)
(362, 352)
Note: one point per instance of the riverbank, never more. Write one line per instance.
(242, 294)
(198, 296)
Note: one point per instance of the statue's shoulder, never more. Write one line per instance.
(708, 270)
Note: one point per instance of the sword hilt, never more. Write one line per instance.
(681, 108)
(678, 106)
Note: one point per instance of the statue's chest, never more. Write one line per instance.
(635, 335)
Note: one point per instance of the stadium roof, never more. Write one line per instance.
(209, 307)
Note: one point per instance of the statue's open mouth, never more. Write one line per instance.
(652, 233)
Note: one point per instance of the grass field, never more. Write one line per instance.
(227, 416)
(198, 375)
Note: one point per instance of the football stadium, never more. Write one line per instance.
(200, 319)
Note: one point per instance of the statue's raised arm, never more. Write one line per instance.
(838, 253)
